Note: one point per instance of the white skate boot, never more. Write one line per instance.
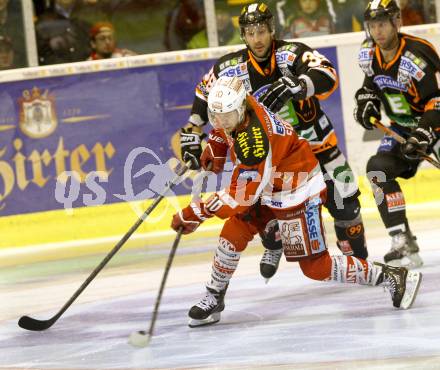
(404, 251)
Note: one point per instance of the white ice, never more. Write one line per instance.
(292, 322)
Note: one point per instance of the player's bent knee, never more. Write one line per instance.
(318, 268)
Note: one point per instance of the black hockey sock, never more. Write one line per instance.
(391, 205)
(351, 238)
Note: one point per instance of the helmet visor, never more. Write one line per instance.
(224, 121)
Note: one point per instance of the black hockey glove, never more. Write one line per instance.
(418, 142)
(367, 106)
(282, 90)
(191, 147)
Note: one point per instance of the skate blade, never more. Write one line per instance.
(211, 319)
(413, 281)
(412, 261)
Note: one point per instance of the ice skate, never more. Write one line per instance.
(402, 284)
(208, 310)
(404, 251)
(269, 262)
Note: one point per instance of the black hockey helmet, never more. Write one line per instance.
(381, 9)
(256, 13)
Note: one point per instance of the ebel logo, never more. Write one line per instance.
(386, 81)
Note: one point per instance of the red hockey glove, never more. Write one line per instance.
(190, 218)
(214, 153)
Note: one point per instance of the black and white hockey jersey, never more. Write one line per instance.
(287, 58)
(409, 85)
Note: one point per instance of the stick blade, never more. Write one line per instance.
(28, 323)
(139, 339)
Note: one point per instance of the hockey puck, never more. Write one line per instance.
(139, 339)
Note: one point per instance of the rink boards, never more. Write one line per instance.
(83, 145)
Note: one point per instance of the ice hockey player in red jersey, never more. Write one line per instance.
(402, 74)
(275, 171)
(290, 78)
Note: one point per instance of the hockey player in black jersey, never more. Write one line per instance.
(290, 78)
(402, 74)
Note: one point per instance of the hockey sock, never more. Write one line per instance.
(347, 269)
(223, 266)
(351, 237)
(391, 205)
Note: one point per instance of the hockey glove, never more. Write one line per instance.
(191, 147)
(214, 155)
(283, 90)
(418, 142)
(190, 218)
(367, 106)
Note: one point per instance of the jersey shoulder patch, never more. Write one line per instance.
(252, 144)
(232, 64)
(421, 52)
(365, 57)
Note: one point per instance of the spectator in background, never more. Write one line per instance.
(61, 37)
(347, 15)
(12, 33)
(3, 11)
(410, 15)
(227, 33)
(103, 43)
(6, 53)
(185, 20)
(311, 18)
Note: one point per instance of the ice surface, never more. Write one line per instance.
(292, 322)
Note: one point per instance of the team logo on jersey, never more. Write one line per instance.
(293, 238)
(313, 222)
(395, 201)
(365, 59)
(285, 58)
(387, 143)
(37, 113)
(309, 134)
(383, 82)
(323, 122)
(417, 60)
(252, 145)
(260, 92)
(235, 70)
(410, 68)
(399, 106)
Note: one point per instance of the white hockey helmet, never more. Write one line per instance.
(227, 103)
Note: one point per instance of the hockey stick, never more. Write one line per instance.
(142, 338)
(401, 140)
(30, 323)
